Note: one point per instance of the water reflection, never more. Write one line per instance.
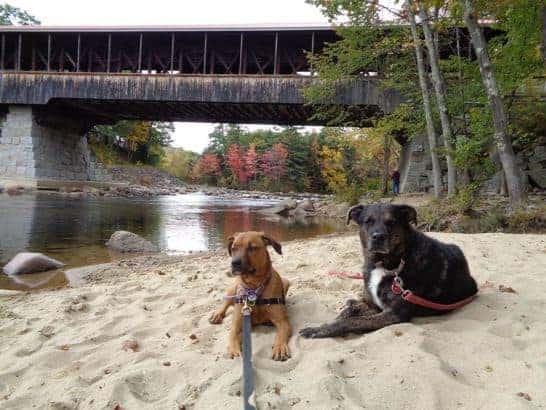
(74, 230)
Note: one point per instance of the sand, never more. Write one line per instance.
(63, 349)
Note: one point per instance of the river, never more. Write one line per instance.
(74, 230)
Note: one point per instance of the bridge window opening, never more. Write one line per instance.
(226, 52)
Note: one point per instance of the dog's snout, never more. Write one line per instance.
(378, 236)
(236, 263)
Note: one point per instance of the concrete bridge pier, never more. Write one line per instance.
(32, 150)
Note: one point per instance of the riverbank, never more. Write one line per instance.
(65, 348)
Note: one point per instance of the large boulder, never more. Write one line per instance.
(128, 242)
(31, 262)
(283, 208)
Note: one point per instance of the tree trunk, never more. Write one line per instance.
(386, 161)
(543, 45)
(425, 91)
(440, 89)
(516, 188)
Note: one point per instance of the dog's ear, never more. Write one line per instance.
(356, 213)
(406, 213)
(270, 241)
(230, 243)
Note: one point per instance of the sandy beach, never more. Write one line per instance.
(64, 349)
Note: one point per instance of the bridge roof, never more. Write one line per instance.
(170, 28)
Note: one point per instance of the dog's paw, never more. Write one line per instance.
(216, 318)
(234, 351)
(281, 352)
(315, 332)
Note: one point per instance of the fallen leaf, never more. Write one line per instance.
(398, 333)
(166, 363)
(506, 289)
(130, 344)
(488, 369)
(64, 347)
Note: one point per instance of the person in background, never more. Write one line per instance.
(395, 177)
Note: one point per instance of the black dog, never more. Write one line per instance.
(391, 245)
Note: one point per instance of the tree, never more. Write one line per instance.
(179, 162)
(210, 165)
(332, 169)
(235, 160)
(425, 91)
(441, 98)
(251, 162)
(139, 141)
(10, 15)
(273, 163)
(503, 142)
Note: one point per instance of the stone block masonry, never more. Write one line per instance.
(32, 151)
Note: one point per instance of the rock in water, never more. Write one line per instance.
(307, 205)
(30, 262)
(283, 208)
(128, 242)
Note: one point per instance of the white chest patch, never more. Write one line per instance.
(373, 284)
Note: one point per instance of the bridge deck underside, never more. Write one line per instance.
(93, 112)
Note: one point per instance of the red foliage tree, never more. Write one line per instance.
(273, 162)
(210, 164)
(251, 161)
(235, 159)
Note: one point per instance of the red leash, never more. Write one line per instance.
(408, 295)
(347, 275)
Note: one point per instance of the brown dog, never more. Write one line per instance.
(251, 263)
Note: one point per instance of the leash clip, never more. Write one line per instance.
(397, 286)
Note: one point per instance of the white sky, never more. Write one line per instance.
(193, 136)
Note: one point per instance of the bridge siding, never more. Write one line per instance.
(41, 88)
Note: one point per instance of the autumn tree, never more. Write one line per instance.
(235, 159)
(251, 162)
(210, 164)
(273, 163)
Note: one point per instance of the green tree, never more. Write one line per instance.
(10, 15)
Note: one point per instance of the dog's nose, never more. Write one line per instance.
(236, 263)
(378, 236)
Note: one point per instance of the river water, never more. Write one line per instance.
(74, 230)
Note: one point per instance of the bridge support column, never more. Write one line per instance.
(31, 151)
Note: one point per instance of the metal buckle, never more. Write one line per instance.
(251, 299)
(397, 286)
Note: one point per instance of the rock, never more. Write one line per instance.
(539, 176)
(15, 190)
(30, 262)
(285, 208)
(307, 205)
(123, 241)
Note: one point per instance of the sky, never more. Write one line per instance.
(192, 136)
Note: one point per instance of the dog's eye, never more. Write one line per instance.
(368, 221)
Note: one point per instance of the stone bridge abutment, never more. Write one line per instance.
(31, 151)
